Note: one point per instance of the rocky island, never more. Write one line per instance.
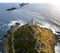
(29, 38)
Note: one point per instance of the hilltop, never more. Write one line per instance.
(30, 38)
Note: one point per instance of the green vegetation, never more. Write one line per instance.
(32, 39)
(24, 40)
(10, 44)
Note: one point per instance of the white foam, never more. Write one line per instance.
(14, 21)
(47, 25)
(57, 48)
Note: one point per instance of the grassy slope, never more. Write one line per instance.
(33, 39)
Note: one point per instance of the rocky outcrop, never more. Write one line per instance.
(30, 39)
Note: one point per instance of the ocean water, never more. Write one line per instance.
(44, 14)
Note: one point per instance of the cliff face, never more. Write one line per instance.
(31, 39)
